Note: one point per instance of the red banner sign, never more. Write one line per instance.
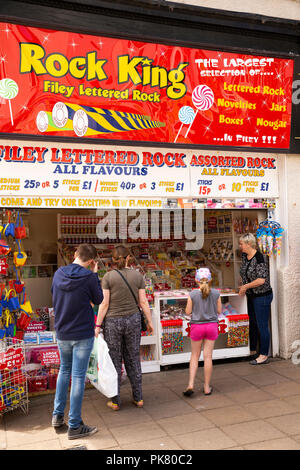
(12, 358)
(35, 326)
(66, 84)
(50, 357)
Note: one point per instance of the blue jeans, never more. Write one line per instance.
(74, 361)
(259, 313)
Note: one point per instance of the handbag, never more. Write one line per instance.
(20, 229)
(143, 322)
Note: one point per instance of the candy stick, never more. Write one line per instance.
(178, 132)
(11, 116)
(191, 124)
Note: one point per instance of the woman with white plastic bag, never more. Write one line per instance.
(123, 292)
(101, 372)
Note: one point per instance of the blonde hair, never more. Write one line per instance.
(249, 239)
(205, 287)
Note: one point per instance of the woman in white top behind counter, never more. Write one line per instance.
(204, 304)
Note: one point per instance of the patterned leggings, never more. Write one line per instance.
(123, 337)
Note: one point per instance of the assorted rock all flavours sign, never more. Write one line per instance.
(221, 175)
(62, 84)
(86, 177)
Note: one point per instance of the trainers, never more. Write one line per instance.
(83, 431)
(58, 421)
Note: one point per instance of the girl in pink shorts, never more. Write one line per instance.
(204, 304)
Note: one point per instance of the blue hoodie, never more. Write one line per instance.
(73, 288)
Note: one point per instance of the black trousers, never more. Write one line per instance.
(259, 313)
(123, 337)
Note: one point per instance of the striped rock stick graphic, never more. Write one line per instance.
(92, 121)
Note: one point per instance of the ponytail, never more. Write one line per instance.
(121, 256)
(205, 288)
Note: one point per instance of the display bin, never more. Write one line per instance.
(172, 336)
(238, 330)
(37, 383)
(52, 377)
(43, 369)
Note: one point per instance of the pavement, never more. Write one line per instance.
(251, 407)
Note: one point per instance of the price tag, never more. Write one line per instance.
(12, 358)
(35, 326)
(49, 357)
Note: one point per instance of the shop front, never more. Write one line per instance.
(174, 151)
(170, 234)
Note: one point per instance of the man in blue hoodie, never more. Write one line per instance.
(74, 289)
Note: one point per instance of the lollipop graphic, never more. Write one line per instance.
(203, 99)
(9, 90)
(186, 116)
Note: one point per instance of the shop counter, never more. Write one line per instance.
(174, 339)
(149, 348)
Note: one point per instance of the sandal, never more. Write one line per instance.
(138, 404)
(209, 393)
(188, 392)
(113, 406)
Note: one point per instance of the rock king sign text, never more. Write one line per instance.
(137, 70)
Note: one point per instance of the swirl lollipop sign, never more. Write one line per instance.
(186, 116)
(9, 90)
(203, 99)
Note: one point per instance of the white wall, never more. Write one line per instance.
(289, 272)
(289, 9)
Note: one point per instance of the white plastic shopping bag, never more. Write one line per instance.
(101, 371)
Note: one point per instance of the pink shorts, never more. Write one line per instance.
(204, 331)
